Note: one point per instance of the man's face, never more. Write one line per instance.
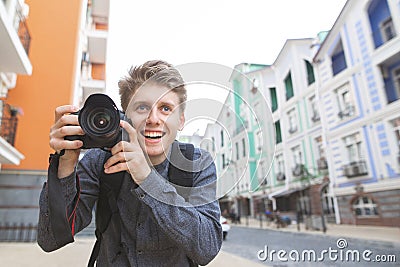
(155, 114)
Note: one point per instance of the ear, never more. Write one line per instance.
(181, 121)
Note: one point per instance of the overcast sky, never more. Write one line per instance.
(216, 31)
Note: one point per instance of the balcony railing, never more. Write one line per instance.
(298, 170)
(322, 164)
(315, 117)
(355, 168)
(24, 36)
(280, 176)
(348, 111)
(8, 129)
(8, 123)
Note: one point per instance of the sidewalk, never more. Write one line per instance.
(77, 254)
(379, 233)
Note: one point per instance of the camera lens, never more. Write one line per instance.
(101, 120)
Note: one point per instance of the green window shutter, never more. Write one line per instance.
(278, 133)
(289, 86)
(310, 73)
(274, 100)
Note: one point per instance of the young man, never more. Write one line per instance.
(156, 226)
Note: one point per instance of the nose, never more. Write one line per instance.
(153, 117)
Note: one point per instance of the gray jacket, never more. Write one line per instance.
(157, 226)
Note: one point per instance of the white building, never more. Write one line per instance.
(359, 89)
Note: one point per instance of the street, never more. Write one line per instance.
(248, 242)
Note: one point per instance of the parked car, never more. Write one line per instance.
(225, 227)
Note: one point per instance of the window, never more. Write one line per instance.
(320, 153)
(364, 206)
(387, 30)
(396, 128)
(278, 134)
(292, 121)
(345, 102)
(391, 77)
(353, 147)
(327, 201)
(314, 109)
(289, 86)
(244, 147)
(213, 143)
(357, 166)
(298, 167)
(255, 85)
(310, 73)
(297, 157)
(381, 22)
(222, 138)
(280, 167)
(237, 150)
(274, 100)
(262, 173)
(338, 59)
(396, 81)
(223, 161)
(259, 140)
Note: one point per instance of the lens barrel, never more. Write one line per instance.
(99, 119)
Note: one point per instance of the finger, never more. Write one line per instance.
(66, 130)
(132, 133)
(64, 144)
(67, 120)
(61, 110)
(122, 166)
(122, 146)
(119, 157)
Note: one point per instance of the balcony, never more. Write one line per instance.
(100, 10)
(315, 118)
(8, 128)
(298, 170)
(355, 169)
(322, 164)
(97, 45)
(15, 42)
(280, 176)
(292, 129)
(346, 112)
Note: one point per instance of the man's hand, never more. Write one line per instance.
(128, 156)
(66, 124)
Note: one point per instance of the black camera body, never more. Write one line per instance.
(99, 119)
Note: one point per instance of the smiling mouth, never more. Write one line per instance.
(153, 134)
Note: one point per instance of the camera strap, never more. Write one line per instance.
(110, 187)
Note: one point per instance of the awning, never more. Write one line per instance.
(283, 193)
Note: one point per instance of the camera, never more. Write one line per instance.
(99, 119)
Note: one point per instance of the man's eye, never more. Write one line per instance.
(166, 109)
(142, 108)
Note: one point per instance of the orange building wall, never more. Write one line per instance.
(98, 71)
(53, 26)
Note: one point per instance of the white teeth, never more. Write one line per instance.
(153, 134)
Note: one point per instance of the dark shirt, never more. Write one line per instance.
(158, 226)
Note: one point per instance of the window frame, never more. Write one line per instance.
(360, 204)
(384, 25)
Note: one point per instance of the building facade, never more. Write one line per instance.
(14, 54)
(69, 63)
(335, 124)
(358, 66)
